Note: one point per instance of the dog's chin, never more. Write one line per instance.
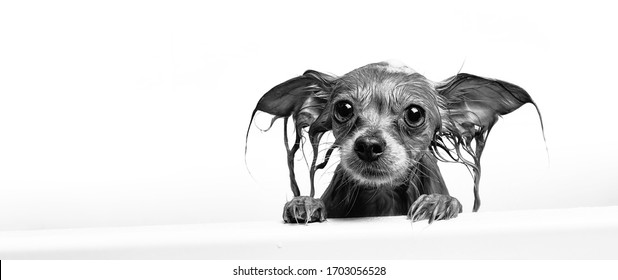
(374, 175)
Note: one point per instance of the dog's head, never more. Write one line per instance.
(385, 116)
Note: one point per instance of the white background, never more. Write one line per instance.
(135, 113)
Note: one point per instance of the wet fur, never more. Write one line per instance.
(459, 113)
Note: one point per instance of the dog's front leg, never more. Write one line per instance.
(434, 207)
(304, 209)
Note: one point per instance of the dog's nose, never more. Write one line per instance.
(369, 148)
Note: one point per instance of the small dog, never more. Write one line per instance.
(390, 125)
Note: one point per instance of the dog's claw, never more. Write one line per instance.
(434, 207)
(304, 209)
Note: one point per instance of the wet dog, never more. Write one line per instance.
(391, 126)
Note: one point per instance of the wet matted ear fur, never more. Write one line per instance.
(470, 106)
(304, 98)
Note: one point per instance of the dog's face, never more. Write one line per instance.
(384, 116)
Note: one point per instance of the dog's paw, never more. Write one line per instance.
(304, 209)
(434, 207)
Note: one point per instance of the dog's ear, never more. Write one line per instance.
(474, 103)
(471, 105)
(304, 98)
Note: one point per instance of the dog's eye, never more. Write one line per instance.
(343, 111)
(414, 116)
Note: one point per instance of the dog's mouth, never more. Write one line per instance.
(373, 174)
(376, 172)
